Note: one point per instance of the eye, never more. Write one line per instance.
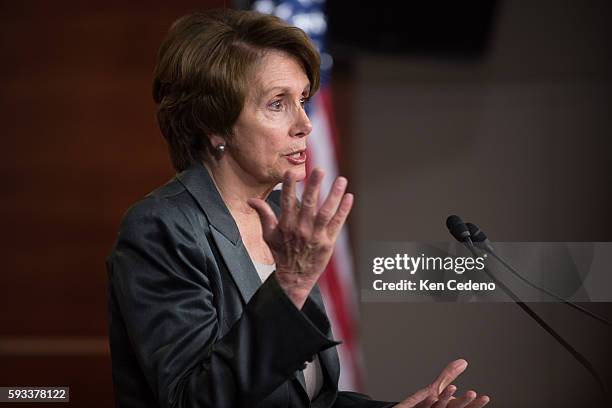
(304, 101)
(276, 105)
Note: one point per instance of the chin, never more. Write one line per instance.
(299, 172)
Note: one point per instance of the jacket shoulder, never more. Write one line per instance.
(165, 202)
(167, 211)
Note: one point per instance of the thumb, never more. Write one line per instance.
(266, 215)
(448, 375)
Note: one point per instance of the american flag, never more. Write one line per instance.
(337, 283)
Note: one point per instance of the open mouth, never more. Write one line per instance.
(297, 157)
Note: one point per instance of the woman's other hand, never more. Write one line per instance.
(303, 239)
(439, 394)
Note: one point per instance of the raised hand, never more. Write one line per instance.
(303, 239)
(439, 394)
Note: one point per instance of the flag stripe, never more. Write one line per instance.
(337, 283)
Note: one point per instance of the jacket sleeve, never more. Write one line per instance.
(158, 274)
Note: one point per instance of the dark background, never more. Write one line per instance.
(505, 120)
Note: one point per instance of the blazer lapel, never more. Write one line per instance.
(223, 229)
(238, 264)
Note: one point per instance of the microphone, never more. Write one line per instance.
(479, 237)
(459, 230)
(480, 240)
(456, 227)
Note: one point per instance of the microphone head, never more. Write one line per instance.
(476, 233)
(457, 228)
(453, 220)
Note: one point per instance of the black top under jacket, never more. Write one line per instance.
(191, 324)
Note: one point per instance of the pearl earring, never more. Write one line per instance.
(221, 148)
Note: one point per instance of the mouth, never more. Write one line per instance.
(297, 157)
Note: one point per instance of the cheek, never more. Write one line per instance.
(275, 125)
(263, 150)
(272, 142)
(264, 139)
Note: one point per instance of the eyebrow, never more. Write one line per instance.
(284, 89)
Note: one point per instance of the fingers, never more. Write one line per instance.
(266, 216)
(440, 401)
(424, 398)
(427, 402)
(333, 212)
(463, 401)
(339, 218)
(445, 396)
(287, 202)
(441, 384)
(469, 400)
(448, 375)
(310, 198)
(479, 402)
(329, 207)
(432, 401)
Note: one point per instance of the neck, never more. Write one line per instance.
(236, 186)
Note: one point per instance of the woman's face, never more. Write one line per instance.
(270, 133)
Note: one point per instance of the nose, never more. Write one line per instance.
(302, 126)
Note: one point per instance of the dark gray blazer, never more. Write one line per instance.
(191, 324)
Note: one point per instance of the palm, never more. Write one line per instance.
(439, 394)
(303, 238)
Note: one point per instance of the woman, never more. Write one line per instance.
(191, 323)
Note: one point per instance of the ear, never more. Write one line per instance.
(216, 140)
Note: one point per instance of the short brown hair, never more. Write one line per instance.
(203, 70)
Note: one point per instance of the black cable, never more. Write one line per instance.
(549, 293)
(579, 357)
